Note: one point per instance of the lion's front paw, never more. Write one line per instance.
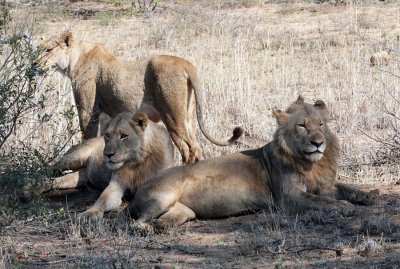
(142, 228)
(343, 207)
(365, 198)
(29, 192)
(159, 226)
(94, 214)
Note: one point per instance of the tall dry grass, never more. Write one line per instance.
(256, 57)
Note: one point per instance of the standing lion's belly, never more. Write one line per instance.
(115, 102)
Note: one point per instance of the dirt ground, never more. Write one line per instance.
(369, 238)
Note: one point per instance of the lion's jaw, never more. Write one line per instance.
(54, 55)
(62, 57)
(114, 163)
(122, 154)
(128, 158)
(115, 154)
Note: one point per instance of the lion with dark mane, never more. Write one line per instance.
(295, 171)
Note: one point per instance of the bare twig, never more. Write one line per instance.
(55, 262)
(377, 139)
(376, 43)
(302, 248)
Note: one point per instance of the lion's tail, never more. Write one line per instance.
(201, 101)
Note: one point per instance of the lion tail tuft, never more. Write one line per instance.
(236, 134)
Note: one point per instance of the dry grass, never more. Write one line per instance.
(265, 59)
(252, 56)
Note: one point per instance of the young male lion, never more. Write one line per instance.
(131, 150)
(295, 171)
(165, 87)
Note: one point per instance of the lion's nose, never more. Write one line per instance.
(109, 155)
(317, 143)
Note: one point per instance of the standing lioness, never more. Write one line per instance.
(165, 87)
(296, 171)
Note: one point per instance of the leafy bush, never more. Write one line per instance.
(24, 101)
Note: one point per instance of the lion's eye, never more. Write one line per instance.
(321, 125)
(48, 50)
(106, 136)
(123, 136)
(301, 125)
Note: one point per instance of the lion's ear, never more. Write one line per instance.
(68, 38)
(300, 100)
(140, 119)
(320, 105)
(104, 120)
(322, 108)
(280, 116)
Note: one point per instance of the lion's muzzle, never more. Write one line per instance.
(114, 161)
(314, 151)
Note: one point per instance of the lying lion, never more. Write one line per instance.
(134, 150)
(295, 171)
(164, 87)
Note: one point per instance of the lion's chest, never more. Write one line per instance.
(315, 183)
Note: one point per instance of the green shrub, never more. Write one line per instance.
(24, 99)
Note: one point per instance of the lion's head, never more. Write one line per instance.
(125, 140)
(303, 135)
(55, 51)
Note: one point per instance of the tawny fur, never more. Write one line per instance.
(146, 150)
(295, 171)
(165, 87)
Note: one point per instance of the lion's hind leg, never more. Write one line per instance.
(196, 152)
(175, 216)
(146, 211)
(182, 142)
(177, 127)
(346, 192)
(183, 136)
(159, 212)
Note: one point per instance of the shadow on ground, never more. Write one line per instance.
(368, 238)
